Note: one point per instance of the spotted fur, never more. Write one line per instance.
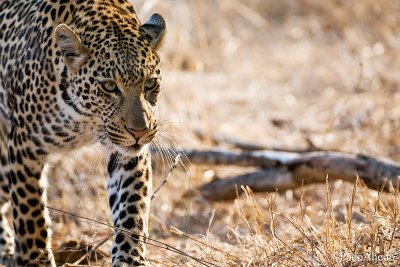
(73, 72)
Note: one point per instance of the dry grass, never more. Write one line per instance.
(280, 73)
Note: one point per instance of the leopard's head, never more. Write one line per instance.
(113, 73)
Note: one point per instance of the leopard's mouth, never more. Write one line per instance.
(132, 147)
(129, 150)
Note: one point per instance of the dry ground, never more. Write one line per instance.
(279, 73)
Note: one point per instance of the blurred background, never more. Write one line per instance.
(281, 73)
(284, 72)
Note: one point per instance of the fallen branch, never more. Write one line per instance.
(282, 170)
(221, 139)
(263, 159)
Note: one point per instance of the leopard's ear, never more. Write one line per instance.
(154, 30)
(69, 43)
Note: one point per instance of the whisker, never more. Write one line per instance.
(175, 151)
(163, 150)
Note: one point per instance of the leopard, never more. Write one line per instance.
(73, 73)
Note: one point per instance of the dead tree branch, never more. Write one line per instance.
(283, 170)
(221, 139)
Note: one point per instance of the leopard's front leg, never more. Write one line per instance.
(129, 187)
(28, 197)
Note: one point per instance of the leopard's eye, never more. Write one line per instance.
(110, 87)
(150, 84)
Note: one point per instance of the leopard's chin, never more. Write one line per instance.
(131, 151)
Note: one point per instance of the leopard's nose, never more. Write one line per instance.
(137, 133)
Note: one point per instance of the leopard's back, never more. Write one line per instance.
(17, 18)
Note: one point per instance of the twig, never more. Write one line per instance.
(93, 249)
(167, 175)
